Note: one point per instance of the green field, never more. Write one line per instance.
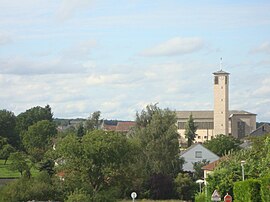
(5, 172)
(145, 200)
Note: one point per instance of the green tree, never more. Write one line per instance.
(93, 122)
(222, 144)
(190, 130)
(38, 138)
(157, 137)
(157, 133)
(5, 149)
(198, 171)
(101, 159)
(7, 127)
(32, 116)
(19, 163)
(185, 187)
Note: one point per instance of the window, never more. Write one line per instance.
(199, 137)
(198, 154)
(205, 137)
(226, 79)
(216, 80)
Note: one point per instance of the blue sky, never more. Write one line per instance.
(81, 56)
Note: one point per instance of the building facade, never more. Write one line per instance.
(221, 120)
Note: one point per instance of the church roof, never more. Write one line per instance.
(220, 72)
(207, 114)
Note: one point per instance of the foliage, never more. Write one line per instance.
(100, 159)
(200, 197)
(32, 116)
(157, 137)
(229, 169)
(19, 163)
(38, 138)
(222, 144)
(79, 196)
(5, 149)
(198, 171)
(158, 140)
(184, 185)
(265, 188)
(160, 186)
(247, 191)
(93, 122)
(24, 189)
(7, 127)
(190, 130)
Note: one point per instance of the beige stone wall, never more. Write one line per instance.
(247, 122)
(221, 104)
(202, 135)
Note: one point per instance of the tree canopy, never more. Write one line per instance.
(190, 130)
(222, 144)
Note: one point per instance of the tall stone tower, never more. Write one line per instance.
(221, 102)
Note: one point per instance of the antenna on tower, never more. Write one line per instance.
(220, 64)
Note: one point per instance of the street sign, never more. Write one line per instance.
(215, 196)
(133, 195)
(227, 198)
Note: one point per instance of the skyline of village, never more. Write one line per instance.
(84, 56)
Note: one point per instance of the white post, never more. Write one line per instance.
(243, 170)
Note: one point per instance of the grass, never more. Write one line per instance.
(5, 171)
(145, 200)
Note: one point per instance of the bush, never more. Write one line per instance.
(265, 189)
(247, 191)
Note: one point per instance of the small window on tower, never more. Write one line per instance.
(226, 79)
(216, 79)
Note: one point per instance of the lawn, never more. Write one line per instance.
(5, 172)
(145, 200)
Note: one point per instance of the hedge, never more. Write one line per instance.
(265, 189)
(247, 191)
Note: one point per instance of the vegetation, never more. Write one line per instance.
(223, 144)
(85, 163)
(190, 130)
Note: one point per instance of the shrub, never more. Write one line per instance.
(247, 191)
(265, 189)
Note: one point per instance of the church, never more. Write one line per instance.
(221, 120)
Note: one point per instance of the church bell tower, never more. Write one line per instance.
(221, 102)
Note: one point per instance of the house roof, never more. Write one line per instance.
(195, 145)
(121, 126)
(207, 114)
(262, 130)
(211, 166)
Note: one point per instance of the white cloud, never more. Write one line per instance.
(175, 46)
(5, 38)
(68, 8)
(262, 48)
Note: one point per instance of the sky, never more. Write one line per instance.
(81, 56)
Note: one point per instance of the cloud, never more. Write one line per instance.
(262, 48)
(5, 39)
(175, 46)
(68, 8)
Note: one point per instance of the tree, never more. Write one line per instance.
(5, 149)
(222, 144)
(19, 163)
(157, 133)
(157, 137)
(198, 171)
(38, 138)
(93, 122)
(32, 116)
(101, 159)
(190, 130)
(185, 187)
(7, 127)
